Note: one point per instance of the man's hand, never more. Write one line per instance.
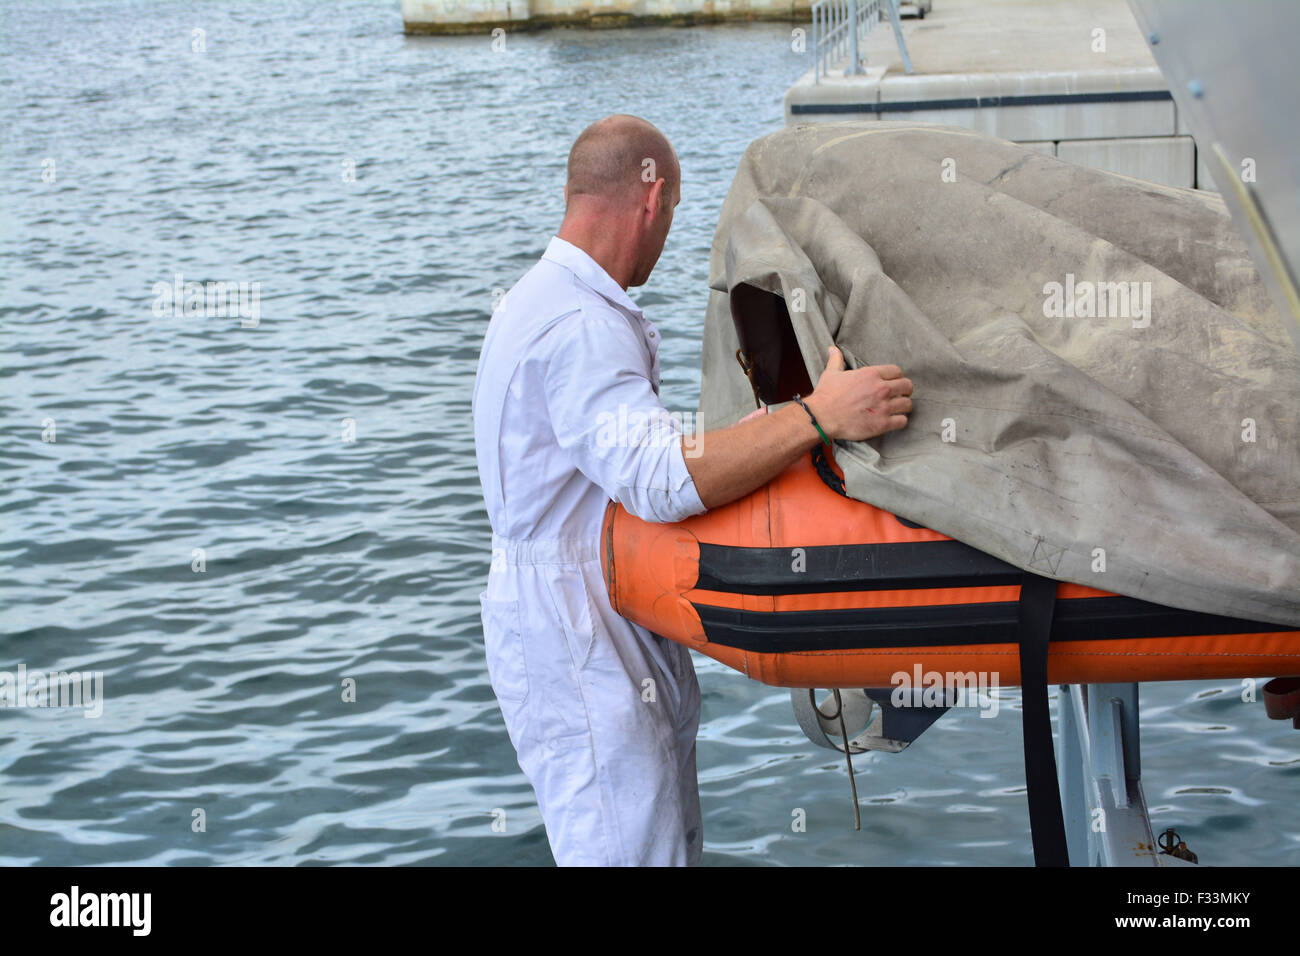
(860, 403)
(854, 405)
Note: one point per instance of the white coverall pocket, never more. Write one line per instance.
(504, 642)
(572, 600)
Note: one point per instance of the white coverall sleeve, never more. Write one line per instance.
(608, 417)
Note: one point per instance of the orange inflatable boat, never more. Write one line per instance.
(798, 586)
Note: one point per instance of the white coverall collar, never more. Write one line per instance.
(566, 254)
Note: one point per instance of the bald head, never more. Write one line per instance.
(623, 186)
(615, 158)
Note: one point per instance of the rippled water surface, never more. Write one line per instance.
(327, 560)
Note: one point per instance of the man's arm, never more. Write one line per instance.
(608, 418)
(857, 404)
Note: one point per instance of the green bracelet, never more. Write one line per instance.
(804, 406)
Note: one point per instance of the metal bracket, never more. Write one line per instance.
(1100, 773)
(869, 714)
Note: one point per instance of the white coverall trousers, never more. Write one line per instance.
(607, 739)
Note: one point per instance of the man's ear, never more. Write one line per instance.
(655, 198)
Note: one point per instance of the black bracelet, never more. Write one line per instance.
(804, 406)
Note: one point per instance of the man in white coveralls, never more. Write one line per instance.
(567, 353)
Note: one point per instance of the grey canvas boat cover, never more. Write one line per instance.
(1104, 392)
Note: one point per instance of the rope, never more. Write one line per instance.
(824, 471)
(848, 755)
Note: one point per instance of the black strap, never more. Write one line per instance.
(1034, 632)
(1046, 819)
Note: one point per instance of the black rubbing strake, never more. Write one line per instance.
(850, 567)
(1081, 619)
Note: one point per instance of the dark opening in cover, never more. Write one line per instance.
(767, 340)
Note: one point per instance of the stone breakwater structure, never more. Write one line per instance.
(477, 16)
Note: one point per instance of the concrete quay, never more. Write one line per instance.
(1073, 78)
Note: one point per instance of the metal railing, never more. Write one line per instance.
(838, 25)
